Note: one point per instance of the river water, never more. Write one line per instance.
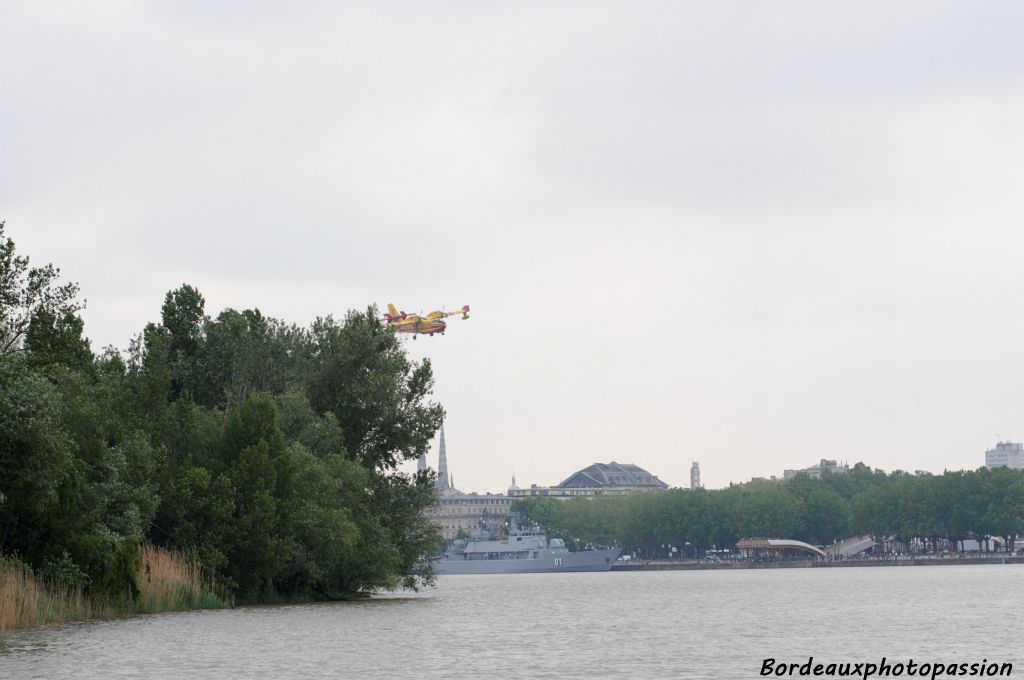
(681, 624)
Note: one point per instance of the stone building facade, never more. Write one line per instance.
(454, 510)
(464, 511)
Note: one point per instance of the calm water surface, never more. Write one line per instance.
(684, 624)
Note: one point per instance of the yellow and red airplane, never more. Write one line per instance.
(421, 325)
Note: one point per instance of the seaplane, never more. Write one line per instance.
(421, 325)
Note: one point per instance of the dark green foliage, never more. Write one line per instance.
(197, 509)
(266, 451)
(53, 339)
(69, 480)
(360, 374)
(244, 352)
(37, 463)
(183, 319)
(183, 316)
(29, 294)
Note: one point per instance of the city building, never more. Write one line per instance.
(456, 511)
(598, 479)
(463, 512)
(1006, 454)
(833, 466)
(695, 475)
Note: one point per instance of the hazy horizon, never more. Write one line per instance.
(753, 236)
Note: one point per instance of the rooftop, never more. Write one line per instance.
(612, 474)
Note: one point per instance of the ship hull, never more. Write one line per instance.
(553, 561)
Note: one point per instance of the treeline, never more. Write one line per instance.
(896, 508)
(265, 451)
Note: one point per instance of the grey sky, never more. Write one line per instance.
(751, 234)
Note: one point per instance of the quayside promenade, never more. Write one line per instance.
(919, 561)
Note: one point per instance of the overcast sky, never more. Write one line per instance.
(753, 235)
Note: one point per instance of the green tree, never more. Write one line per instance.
(183, 315)
(329, 490)
(247, 352)
(255, 457)
(58, 340)
(266, 451)
(28, 293)
(826, 514)
(183, 318)
(37, 462)
(360, 374)
(540, 510)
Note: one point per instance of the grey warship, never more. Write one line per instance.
(523, 551)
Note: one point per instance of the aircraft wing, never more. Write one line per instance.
(464, 311)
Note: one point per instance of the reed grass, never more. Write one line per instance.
(167, 582)
(26, 601)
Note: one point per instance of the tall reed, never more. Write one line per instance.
(167, 582)
(26, 601)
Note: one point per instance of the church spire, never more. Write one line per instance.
(443, 482)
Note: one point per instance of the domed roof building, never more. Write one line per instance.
(598, 479)
(620, 476)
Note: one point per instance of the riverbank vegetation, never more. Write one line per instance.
(167, 581)
(264, 452)
(934, 512)
(27, 601)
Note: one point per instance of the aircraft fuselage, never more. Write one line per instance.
(420, 327)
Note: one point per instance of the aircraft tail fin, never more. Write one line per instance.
(392, 312)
